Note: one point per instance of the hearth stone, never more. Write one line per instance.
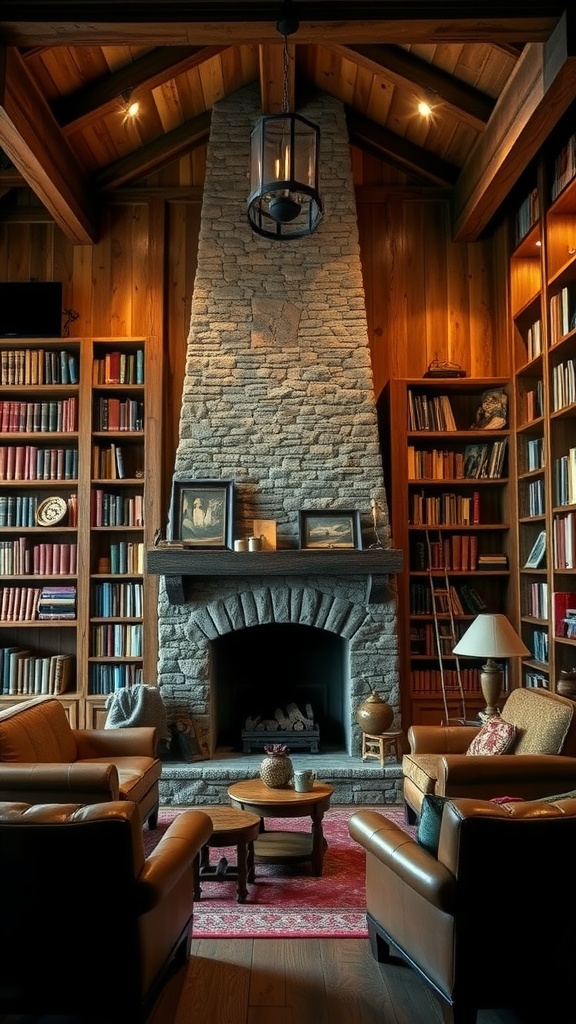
(356, 783)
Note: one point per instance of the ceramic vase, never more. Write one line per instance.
(374, 715)
(276, 769)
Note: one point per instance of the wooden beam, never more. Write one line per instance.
(251, 22)
(403, 154)
(151, 70)
(34, 143)
(467, 104)
(540, 90)
(155, 154)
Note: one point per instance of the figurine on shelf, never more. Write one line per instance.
(493, 410)
(375, 514)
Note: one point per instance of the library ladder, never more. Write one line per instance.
(441, 603)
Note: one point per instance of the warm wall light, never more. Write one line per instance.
(491, 636)
(284, 200)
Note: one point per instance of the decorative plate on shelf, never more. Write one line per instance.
(51, 511)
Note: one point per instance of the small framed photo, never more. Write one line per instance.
(202, 513)
(536, 556)
(323, 530)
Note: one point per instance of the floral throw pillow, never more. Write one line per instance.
(495, 737)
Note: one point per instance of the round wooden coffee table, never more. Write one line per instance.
(230, 827)
(284, 847)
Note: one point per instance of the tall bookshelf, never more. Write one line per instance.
(451, 511)
(542, 289)
(79, 504)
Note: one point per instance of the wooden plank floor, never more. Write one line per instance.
(301, 981)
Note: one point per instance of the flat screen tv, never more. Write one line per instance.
(30, 309)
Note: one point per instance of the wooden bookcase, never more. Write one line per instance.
(95, 403)
(542, 290)
(433, 508)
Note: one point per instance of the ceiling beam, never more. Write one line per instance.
(403, 154)
(155, 154)
(153, 69)
(227, 22)
(536, 96)
(468, 104)
(33, 141)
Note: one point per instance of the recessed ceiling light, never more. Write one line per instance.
(424, 109)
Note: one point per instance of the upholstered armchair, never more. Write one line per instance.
(540, 762)
(484, 921)
(90, 926)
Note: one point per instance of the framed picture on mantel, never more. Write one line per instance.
(202, 513)
(329, 531)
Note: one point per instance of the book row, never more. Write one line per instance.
(537, 596)
(534, 340)
(19, 510)
(38, 366)
(21, 557)
(27, 604)
(563, 385)
(445, 509)
(565, 540)
(39, 417)
(118, 414)
(565, 479)
(458, 553)
(460, 600)
(475, 461)
(28, 462)
(105, 678)
(109, 509)
(562, 312)
(531, 404)
(22, 672)
(116, 640)
(116, 463)
(427, 680)
(535, 498)
(119, 368)
(429, 412)
(535, 453)
(127, 557)
(433, 639)
(564, 167)
(539, 642)
(122, 600)
(526, 215)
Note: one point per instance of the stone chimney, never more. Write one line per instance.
(278, 397)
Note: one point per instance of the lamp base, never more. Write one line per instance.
(491, 686)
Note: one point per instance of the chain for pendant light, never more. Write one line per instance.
(285, 78)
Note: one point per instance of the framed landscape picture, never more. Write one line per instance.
(202, 513)
(321, 530)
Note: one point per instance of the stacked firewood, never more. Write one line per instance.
(289, 720)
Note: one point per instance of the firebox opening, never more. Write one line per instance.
(260, 668)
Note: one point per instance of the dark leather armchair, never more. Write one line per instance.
(542, 761)
(89, 925)
(487, 922)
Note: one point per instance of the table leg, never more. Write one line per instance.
(196, 869)
(319, 844)
(242, 868)
(250, 863)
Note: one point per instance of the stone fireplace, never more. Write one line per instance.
(278, 398)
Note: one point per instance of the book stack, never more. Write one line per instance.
(492, 561)
(57, 603)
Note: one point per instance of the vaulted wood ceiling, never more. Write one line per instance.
(498, 76)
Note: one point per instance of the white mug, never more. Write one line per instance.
(304, 781)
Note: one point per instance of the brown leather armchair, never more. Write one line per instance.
(486, 922)
(542, 761)
(89, 925)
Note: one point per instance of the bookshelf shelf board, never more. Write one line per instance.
(540, 666)
(463, 481)
(114, 658)
(39, 624)
(566, 641)
(436, 573)
(534, 621)
(531, 519)
(451, 527)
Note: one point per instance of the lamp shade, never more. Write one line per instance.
(491, 636)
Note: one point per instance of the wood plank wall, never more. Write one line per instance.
(426, 296)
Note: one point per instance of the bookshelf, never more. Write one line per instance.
(79, 503)
(542, 288)
(450, 510)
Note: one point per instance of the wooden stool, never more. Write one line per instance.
(377, 746)
(230, 827)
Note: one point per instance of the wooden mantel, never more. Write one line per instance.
(178, 564)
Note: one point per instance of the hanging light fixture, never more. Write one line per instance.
(284, 201)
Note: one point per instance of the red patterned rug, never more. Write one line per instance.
(288, 901)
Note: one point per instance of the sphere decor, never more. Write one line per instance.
(374, 715)
(276, 769)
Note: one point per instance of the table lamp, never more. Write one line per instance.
(490, 636)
